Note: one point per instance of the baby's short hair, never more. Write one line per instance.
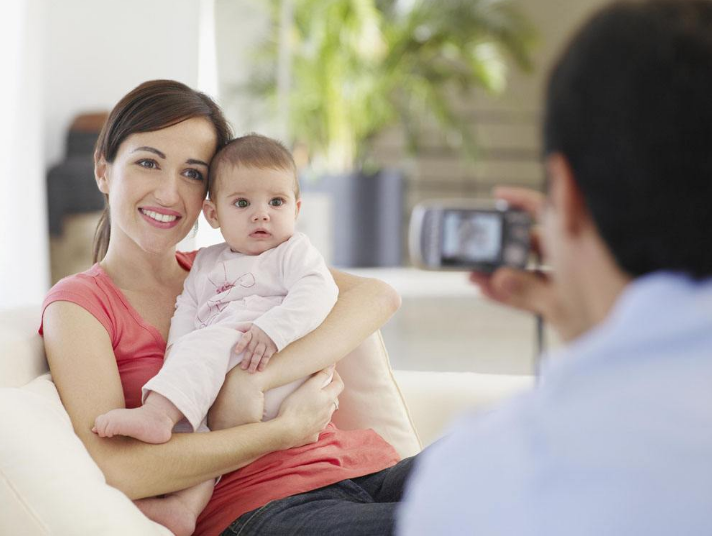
(252, 151)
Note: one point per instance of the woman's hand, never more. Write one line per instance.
(308, 410)
(531, 291)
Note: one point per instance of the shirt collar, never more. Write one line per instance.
(645, 304)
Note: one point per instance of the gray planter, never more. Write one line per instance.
(367, 217)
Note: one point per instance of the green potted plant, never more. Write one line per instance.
(358, 67)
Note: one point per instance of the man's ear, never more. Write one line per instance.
(210, 212)
(100, 168)
(565, 195)
(299, 206)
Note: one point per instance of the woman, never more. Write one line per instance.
(104, 332)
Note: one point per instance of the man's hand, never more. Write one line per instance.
(258, 348)
(522, 289)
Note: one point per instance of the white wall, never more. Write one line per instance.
(98, 51)
(60, 59)
(24, 266)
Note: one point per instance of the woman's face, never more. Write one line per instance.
(156, 184)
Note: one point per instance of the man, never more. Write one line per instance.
(616, 439)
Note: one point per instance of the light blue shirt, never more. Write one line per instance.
(616, 439)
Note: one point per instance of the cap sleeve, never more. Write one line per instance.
(85, 290)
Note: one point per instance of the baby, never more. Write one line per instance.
(243, 301)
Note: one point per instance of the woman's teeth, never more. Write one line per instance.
(165, 218)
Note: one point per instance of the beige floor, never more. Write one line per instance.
(443, 324)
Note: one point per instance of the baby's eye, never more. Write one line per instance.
(148, 163)
(193, 174)
(242, 203)
(276, 202)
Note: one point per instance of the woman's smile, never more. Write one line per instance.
(161, 218)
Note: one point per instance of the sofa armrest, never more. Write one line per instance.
(434, 399)
(22, 356)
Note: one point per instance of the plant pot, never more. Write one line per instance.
(366, 217)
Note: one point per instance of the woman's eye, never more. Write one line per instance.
(193, 174)
(148, 163)
(277, 202)
(242, 203)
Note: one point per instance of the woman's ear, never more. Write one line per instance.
(100, 168)
(210, 212)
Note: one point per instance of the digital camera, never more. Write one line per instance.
(472, 235)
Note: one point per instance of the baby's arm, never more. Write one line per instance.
(311, 294)
(259, 349)
(183, 320)
(364, 305)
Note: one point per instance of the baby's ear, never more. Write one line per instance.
(211, 213)
(299, 206)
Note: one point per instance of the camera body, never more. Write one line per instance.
(472, 235)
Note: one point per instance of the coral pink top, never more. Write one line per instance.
(139, 349)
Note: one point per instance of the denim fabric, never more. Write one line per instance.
(363, 506)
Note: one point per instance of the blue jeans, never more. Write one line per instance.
(363, 506)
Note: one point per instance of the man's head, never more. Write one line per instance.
(629, 120)
(253, 194)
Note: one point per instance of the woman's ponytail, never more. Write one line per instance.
(101, 235)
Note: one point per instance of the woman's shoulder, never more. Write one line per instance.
(187, 258)
(89, 289)
(86, 282)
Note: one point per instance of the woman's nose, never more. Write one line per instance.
(167, 192)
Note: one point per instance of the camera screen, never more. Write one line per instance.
(471, 236)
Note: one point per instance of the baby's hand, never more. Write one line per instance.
(258, 347)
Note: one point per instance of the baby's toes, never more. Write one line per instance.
(100, 426)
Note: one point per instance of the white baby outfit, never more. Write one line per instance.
(286, 291)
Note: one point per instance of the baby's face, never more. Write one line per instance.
(255, 209)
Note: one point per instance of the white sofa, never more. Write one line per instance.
(50, 485)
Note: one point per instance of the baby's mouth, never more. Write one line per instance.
(260, 233)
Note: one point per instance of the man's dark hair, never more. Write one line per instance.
(629, 104)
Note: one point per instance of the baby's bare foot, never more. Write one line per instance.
(146, 423)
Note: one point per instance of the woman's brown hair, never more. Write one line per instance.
(154, 105)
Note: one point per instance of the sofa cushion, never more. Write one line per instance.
(435, 399)
(372, 399)
(49, 483)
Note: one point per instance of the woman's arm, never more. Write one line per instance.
(364, 305)
(84, 370)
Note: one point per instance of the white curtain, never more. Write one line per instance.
(24, 263)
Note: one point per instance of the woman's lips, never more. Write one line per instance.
(165, 219)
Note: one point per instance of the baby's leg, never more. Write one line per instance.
(274, 397)
(178, 511)
(152, 422)
(194, 371)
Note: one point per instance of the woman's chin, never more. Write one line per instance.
(161, 245)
